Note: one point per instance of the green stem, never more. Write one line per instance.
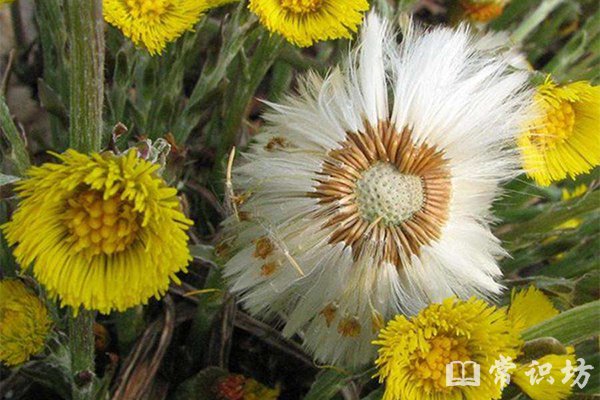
(85, 35)
(19, 149)
(81, 344)
(86, 41)
(240, 95)
(533, 20)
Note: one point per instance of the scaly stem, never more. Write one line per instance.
(86, 91)
(86, 94)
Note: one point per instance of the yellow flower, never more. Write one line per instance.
(24, 323)
(102, 231)
(414, 353)
(482, 10)
(564, 141)
(304, 22)
(154, 23)
(530, 307)
(546, 387)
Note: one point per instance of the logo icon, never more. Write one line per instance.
(459, 373)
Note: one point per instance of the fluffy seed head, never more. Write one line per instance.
(369, 192)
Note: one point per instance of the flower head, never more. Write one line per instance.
(102, 231)
(549, 386)
(358, 202)
(564, 140)
(414, 352)
(529, 307)
(24, 323)
(304, 22)
(154, 23)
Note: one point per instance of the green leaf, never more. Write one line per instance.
(129, 325)
(570, 326)
(201, 385)
(19, 153)
(532, 21)
(327, 385)
(203, 252)
(556, 215)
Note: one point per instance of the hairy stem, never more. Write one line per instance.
(86, 43)
(85, 35)
(81, 344)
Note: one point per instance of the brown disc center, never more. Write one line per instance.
(381, 188)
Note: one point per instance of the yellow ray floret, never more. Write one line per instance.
(101, 231)
(24, 323)
(530, 307)
(304, 22)
(414, 352)
(154, 23)
(564, 141)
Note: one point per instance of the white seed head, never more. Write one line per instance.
(369, 193)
